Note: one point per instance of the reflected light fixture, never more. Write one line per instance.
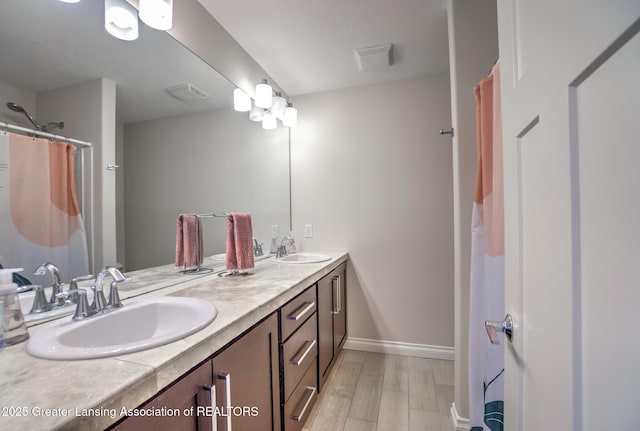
(278, 105)
(269, 121)
(120, 19)
(241, 101)
(264, 95)
(290, 116)
(256, 114)
(157, 14)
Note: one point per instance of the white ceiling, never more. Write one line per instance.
(45, 45)
(307, 46)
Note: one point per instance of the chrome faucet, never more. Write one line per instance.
(257, 248)
(99, 301)
(282, 249)
(57, 283)
(82, 307)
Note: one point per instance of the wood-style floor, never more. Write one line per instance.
(380, 392)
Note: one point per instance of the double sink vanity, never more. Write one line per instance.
(258, 351)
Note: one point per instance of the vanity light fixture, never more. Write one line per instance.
(120, 19)
(157, 14)
(269, 121)
(264, 95)
(278, 106)
(241, 101)
(290, 116)
(256, 114)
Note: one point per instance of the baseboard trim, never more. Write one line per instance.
(396, 348)
(459, 423)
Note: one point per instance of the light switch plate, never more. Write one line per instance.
(308, 231)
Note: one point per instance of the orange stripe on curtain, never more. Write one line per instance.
(43, 195)
(489, 195)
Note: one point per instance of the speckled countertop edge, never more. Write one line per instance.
(57, 394)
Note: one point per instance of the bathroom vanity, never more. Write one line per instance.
(258, 366)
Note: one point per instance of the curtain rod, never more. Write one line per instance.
(33, 132)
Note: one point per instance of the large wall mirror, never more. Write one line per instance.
(175, 156)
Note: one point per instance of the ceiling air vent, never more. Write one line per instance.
(373, 57)
(187, 93)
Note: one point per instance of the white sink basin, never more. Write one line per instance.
(139, 325)
(304, 258)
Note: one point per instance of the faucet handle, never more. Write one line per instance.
(114, 297)
(82, 307)
(99, 301)
(73, 285)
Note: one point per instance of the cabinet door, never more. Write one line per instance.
(339, 284)
(174, 402)
(246, 377)
(325, 326)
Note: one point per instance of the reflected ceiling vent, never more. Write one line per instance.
(374, 57)
(187, 93)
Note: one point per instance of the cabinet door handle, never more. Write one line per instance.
(227, 385)
(337, 300)
(298, 359)
(301, 311)
(209, 397)
(298, 416)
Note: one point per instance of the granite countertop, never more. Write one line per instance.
(40, 394)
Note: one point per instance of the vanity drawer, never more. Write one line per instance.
(298, 353)
(297, 409)
(296, 311)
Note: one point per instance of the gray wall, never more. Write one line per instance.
(372, 175)
(198, 163)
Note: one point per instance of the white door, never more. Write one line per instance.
(571, 121)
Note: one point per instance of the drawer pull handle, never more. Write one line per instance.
(337, 300)
(227, 385)
(208, 400)
(298, 416)
(304, 309)
(299, 358)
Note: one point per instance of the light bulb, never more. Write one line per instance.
(264, 95)
(157, 14)
(241, 101)
(256, 114)
(120, 19)
(269, 121)
(278, 105)
(290, 116)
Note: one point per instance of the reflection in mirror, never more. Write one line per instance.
(175, 156)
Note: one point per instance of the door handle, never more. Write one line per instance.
(493, 327)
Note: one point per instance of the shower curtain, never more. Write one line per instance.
(486, 361)
(40, 220)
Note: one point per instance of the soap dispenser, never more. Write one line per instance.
(14, 329)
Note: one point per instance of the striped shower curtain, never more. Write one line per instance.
(40, 220)
(486, 361)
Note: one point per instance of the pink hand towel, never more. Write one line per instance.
(239, 242)
(189, 247)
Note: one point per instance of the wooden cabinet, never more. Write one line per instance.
(246, 377)
(332, 320)
(267, 379)
(177, 406)
(298, 358)
(239, 389)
